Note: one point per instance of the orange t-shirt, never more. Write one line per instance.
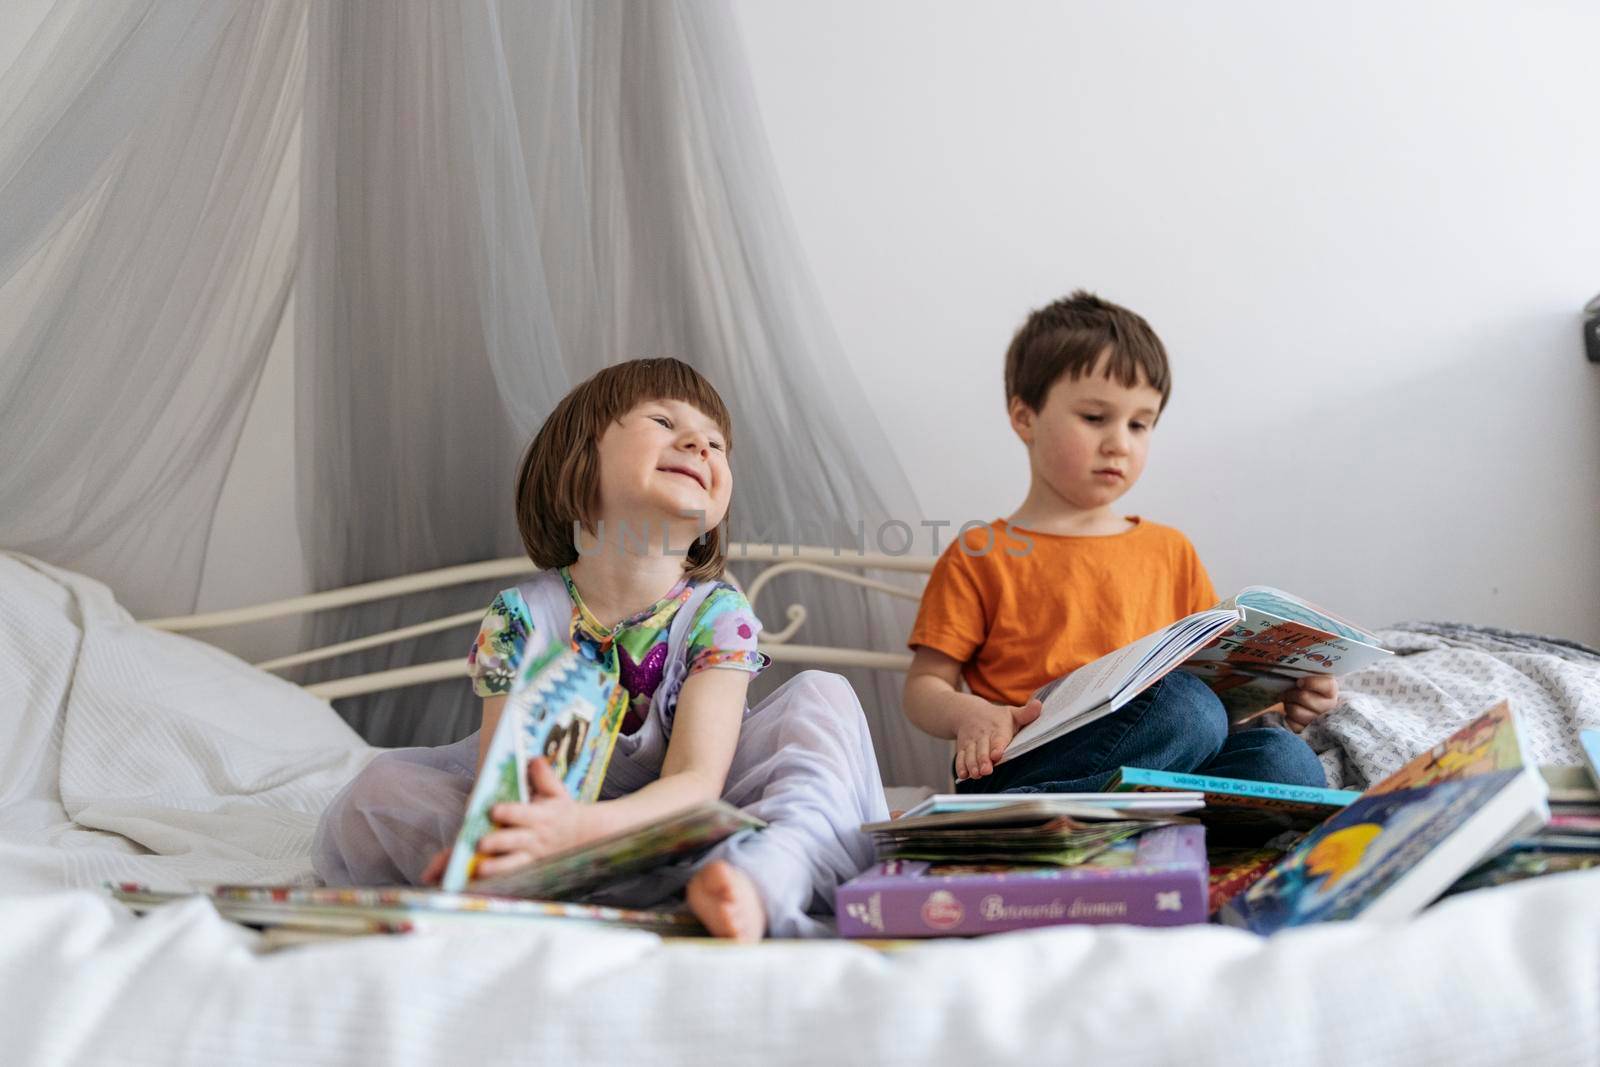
(1035, 606)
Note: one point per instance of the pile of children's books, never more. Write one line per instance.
(974, 864)
(1570, 841)
(1470, 812)
(563, 707)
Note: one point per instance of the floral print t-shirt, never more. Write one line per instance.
(634, 651)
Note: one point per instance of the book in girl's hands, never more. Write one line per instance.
(1407, 839)
(561, 706)
(1249, 650)
(589, 868)
(1155, 879)
(1236, 811)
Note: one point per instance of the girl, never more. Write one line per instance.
(614, 497)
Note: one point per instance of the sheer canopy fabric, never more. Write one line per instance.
(475, 205)
(147, 246)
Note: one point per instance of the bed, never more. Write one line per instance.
(137, 753)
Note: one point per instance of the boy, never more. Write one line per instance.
(1066, 579)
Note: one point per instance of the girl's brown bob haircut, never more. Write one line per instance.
(558, 483)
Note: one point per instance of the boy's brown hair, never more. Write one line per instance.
(1069, 337)
(558, 484)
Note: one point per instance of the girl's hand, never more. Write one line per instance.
(549, 823)
(1310, 699)
(984, 735)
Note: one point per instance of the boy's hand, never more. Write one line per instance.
(1310, 699)
(984, 735)
(547, 824)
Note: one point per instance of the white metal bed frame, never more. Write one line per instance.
(769, 560)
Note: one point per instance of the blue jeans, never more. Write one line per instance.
(1176, 725)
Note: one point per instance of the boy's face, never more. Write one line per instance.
(1088, 442)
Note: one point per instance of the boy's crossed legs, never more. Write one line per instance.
(1176, 725)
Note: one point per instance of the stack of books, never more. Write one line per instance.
(1249, 825)
(959, 865)
(1570, 841)
(1470, 812)
(1405, 841)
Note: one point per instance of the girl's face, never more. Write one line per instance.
(665, 462)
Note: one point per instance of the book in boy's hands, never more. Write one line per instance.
(1401, 844)
(561, 706)
(1155, 879)
(1248, 650)
(591, 867)
(1238, 811)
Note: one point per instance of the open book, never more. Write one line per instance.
(1248, 650)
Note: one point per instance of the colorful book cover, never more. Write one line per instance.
(561, 706)
(1239, 811)
(1155, 879)
(1404, 841)
(1233, 870)
(591, 867)
(1487, 744)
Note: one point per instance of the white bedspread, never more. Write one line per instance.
(132, 755)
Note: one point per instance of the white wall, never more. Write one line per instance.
(1364, 236)
(1364, 232)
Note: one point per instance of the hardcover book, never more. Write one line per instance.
(1406, 840)
(1155, 879)
(1233, 870)
(1237, 811)
(561, 706)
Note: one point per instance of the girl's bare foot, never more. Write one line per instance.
(725, 901)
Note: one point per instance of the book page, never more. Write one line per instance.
(1263, 641)
(1115, 678)
(1288, 606)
